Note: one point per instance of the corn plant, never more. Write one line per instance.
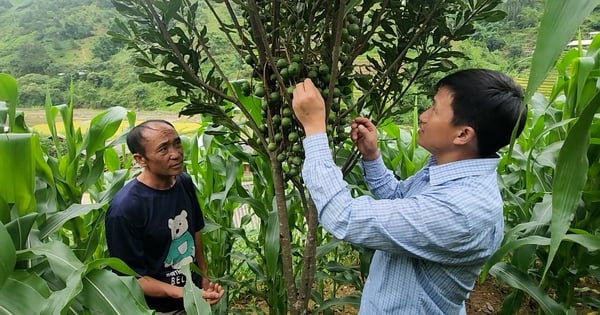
(47, 265)
(551, 176)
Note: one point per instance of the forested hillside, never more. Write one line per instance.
(47, 45)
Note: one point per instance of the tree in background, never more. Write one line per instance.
(33, 59)
(104, 48)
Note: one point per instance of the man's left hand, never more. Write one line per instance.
(211, 292)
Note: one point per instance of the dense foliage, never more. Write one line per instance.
(52, 252)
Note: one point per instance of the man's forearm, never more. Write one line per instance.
(157, 288)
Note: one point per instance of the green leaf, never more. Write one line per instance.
(61, 258)
(60, 300)
(57, 220)
(111, 159)
(18, 170)
(348, 300)
(173, 7)
(19, 229)
(9, 93)
(559, 22)
(150, 77)
(251, 103)
(272, 244)
(65, 267)
(511, 246)
(33, 280)
(192, 296)
(8, 255)
(519, 280)
(19, 297)
(102, 127)
(116, 182)
(585, 239)
(4, 210)
(327, 248)
(570, 177)
(105, 293)
(114, 263)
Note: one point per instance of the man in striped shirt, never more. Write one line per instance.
(433, 231)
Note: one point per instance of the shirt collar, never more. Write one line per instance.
(439, 174)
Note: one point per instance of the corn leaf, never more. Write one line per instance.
(66, 267)
(192, 296)
(32, 280)
(102, 127)
(19, 297)
(17, 184)
(57, 220)
(589, 241)
(19, 229)
(117, 181)
(348, 300)
(570, 177)
(60, 300)
(4, 210)
(560, 21)
(510, 246)
(8, 93)
(62, 260)
(105, 293)
(272, 244)
(114, 263)
(520, 280)
(7, 257)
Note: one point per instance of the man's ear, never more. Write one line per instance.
(139, 159)
(466, 135)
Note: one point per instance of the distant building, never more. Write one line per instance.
(575, 43)
(585, 42)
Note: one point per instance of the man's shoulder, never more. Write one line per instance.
(183, 176)
(127, 196)
(127, 189)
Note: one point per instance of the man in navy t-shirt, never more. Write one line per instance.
(153, 223)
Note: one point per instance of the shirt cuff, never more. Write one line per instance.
(317, 147)
(374, 168)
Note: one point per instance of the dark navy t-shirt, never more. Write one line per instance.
(153, 232)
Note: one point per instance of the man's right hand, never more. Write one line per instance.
(364, 135)
(309, 107)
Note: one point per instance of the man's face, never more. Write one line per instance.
(436, 132)
(164, 152)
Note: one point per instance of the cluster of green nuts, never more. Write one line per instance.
(274, 80)
(281, 130)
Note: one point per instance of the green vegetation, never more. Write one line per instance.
(52, 253)
(47, 45)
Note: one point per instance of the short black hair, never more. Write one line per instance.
(135, 136)
(490, 102)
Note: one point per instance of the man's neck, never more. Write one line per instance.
(454, 156)
(156, 182)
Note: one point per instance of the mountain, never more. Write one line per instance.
(57, 46)
(49, 45)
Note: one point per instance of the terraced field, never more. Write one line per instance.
(545, 88)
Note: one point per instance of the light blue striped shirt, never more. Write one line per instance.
(432, 232)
